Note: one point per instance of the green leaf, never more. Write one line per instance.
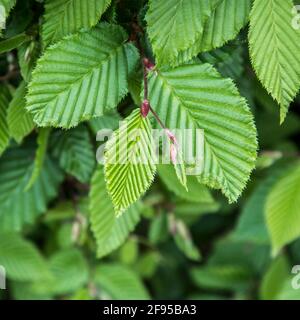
(25, 291)
(185, 243)
(65, 234)
(227, 251)
(21, 259)
(227, 18)
(129, 252)
(65, 17)
(147, 264)
(129, 161)
(196, 191)
(75, 153)
(196, 97)
(283, 209)
(230, 277)
(252, 224)
(274, 45)
(27, 56)
(192, 210)
(159, 229)
(107, 121)
(179, 167)
(13, 43)
(175, 25)
(70, 272)
(4, 132)
(7, 5)
(227, 60)
(226, 21)
(17, 206)
(288, 292)
(110, 232)
(19, 120)
(274, 279)
(40, 155)
(78, 79)
(120, 282)
(61, 212)
(135, 85)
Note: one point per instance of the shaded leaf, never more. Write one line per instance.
(19, 120)
(110, 232)
(77, 79)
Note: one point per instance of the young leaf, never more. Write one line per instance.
(274, 279)
(65, 17)
(196, 191)
(274, 45)
(19, 120)
(21, 259)
(28, 54)
(283, 209)
(185, 243)
(120, 282)
(175, 25)
(129, 161)
(196, 97)
(75, 153)
(110, 232)
(4, 132)
(70, 272)
(78, 79)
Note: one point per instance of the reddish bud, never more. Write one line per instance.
(171, 136)
(145, 107)
(173, 153)
(148, 64)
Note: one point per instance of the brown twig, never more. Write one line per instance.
(147, 66)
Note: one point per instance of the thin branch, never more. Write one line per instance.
(146, 64)
(157, 118)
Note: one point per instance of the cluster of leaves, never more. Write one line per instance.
(71, 228)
